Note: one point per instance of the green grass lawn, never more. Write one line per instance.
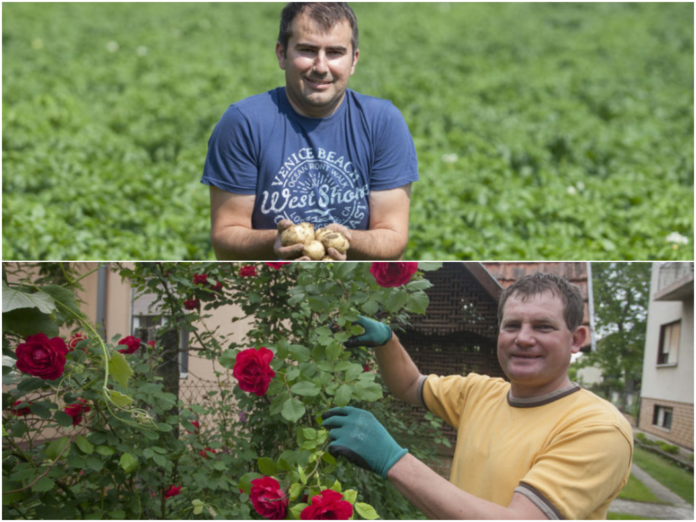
(636, 490)
(676, 479)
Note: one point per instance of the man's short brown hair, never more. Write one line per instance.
(538, 283)
(326, 14)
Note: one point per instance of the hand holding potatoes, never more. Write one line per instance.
(326, 244)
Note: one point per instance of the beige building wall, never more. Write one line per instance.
(669, 386)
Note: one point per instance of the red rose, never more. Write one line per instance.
(172, 492)
(42, 357)
(268, 499)
(247, 271)
(133, 343)
(192, 304)
(278, 265)
(20, 411)
(393, 274)
(327, 505)
(366, 368)
(76, 411)
(196, 424)
(200, 279)
(151, 344)
(204, 453)
(72, 343)
(253, 371)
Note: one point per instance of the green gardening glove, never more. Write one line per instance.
(376, 334)
(359, 437)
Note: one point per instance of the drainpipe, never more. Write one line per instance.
(590, 306)
(101, 299)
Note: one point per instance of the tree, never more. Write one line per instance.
(621, 296)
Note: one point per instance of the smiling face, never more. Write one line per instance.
(535, 344)
(317, 65)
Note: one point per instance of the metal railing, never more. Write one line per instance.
(670, 273)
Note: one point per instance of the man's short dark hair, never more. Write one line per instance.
(326, 14)
(538, 283)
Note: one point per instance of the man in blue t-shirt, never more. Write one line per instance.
(311, 151)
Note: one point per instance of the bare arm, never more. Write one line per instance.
(439, 499)
(400, 374)
(387, 235)
(231, 233)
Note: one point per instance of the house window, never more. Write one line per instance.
(150, 321)
(669, 343)
(662, 417)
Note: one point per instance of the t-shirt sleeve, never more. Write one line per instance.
(578, 472)
(231, 163)
(396, 163)
(445, 397)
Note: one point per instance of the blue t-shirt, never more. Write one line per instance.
(319, 170)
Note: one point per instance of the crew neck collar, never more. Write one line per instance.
(317, 122)
(533, 402)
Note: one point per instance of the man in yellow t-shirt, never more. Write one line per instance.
(536, 447)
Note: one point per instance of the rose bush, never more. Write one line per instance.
(133, 439)
(247, 271)
(41, 356)
(389, 275)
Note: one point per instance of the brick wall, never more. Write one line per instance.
(682, 430)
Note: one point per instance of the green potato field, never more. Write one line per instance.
(543, 131)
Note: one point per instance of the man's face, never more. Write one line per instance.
(535, 344)
(317, 66)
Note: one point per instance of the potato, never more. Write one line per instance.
(319, 234)
(327, 258)
(297, 234)
(308, 226)
(335, 240)
(314, 250)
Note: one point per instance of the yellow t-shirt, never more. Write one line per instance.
(569, 452)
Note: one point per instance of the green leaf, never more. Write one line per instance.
(66, 298)
(423, 284)
(106, 451)
(395, 300)
(84, 445)
(366, 511)
(343, 395)
(350, 495)
(328, 458)
(333, 350)
(303, 477)
(370, 307)
(228, 358)
(292, 410)
(309, 433)
(336, 486)
(30, 384)
(299, 353)
(120, 399)
(352, 372)
(41, 410)
(341, 270)
(63, 419)
(119, 369)
(295, 491)
(245, 481)
(305, 389)
(198, 510)
(13, 298)
(417, 303)
(160, 460)
(54, 448)
(44, 484)
(267, 466)
(297, 508)
(427, 266)
(29, 321)
(369, 392)
(128, 462)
